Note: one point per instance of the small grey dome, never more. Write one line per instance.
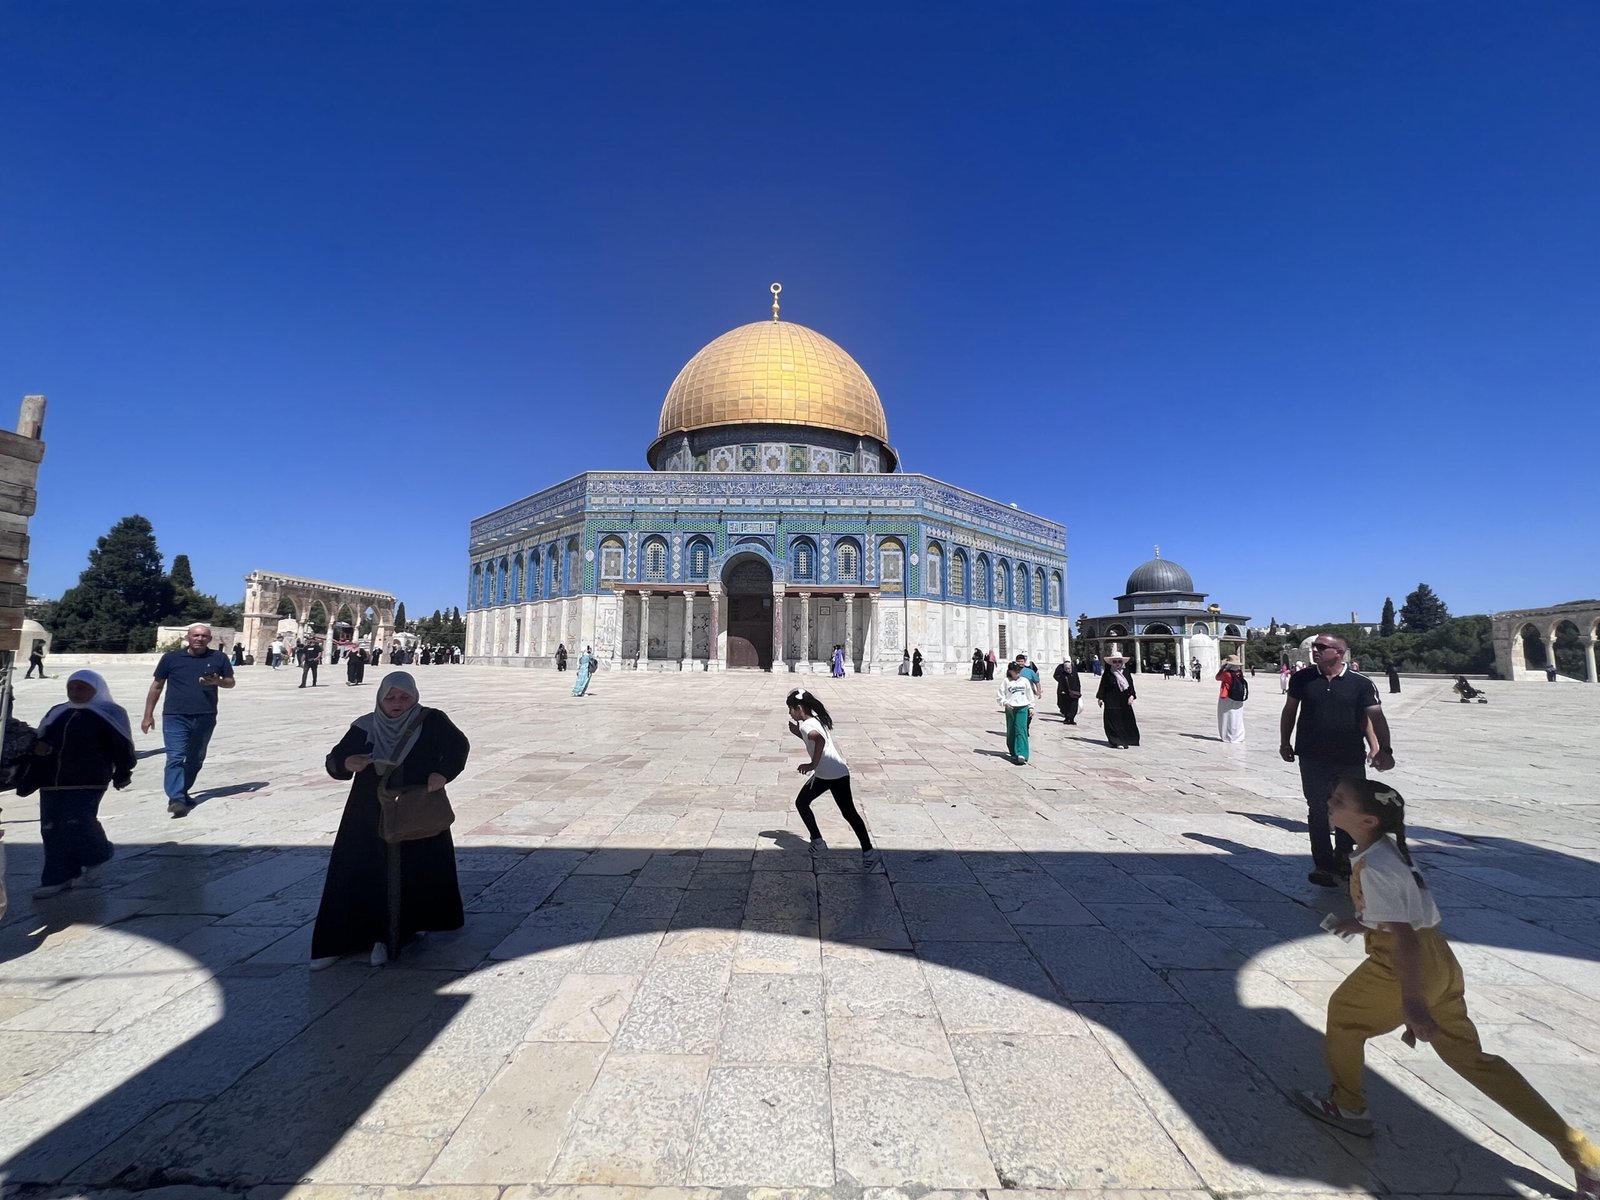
(1160, 575)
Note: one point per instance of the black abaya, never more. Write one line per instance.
(1122, 727)
(354, 914)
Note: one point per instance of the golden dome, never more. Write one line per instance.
(774, 373)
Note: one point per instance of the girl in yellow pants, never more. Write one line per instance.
(1411, 978)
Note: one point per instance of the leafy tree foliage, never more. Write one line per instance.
(120, 598)
(400, 618)
(1462, 645)
(1386, 623)
(1423, 610)
(182, 573)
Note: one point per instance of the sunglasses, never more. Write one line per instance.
(1319, 647)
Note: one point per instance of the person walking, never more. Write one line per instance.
(355, 667)
(1341, 728)
(988, 666)
(977, 663)
(905, 662)
(1393, 673)
(1194, 669)
(916, 663)
(84, 745)
(275, 654)
(1015, 695)
(829, 772)
(238, 654)
(189, 716)
(310, 660)
(838, 662)
(1115, 696)
(586, 666)
(1410, 977)
(1069, 689)
(1283, 677)
(1230, 700)
(561, 657)
(36, 660)
(379, 895)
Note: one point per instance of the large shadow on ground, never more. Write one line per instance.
(261, 1071)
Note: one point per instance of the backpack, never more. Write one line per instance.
(1238, 689)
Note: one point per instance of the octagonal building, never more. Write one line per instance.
(774, 524)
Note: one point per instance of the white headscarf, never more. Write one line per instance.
(109, 710)
(393, 737)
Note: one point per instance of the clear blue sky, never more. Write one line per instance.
(1306, 293)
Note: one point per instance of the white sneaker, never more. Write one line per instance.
(380, 954)
(818, 847)
(322, 964)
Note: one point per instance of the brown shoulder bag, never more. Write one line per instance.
(409, 814)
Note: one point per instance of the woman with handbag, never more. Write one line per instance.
(392, 874)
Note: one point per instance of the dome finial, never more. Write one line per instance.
(1158, 551)
(776, 289)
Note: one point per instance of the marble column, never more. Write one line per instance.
(869, 635)
(849, 631)
(1588, 659)
(779, 633)
(1138, 661)
(686, 660)
(616, 642)
(644, 632)
(1550, 651)
(805, 635)
(714, 635)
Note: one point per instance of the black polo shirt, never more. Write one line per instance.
(1332, 715)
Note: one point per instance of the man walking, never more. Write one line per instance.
(310, 661)
(275, 653)
(190, 714)
(1341, 729)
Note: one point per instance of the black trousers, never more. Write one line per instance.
(69, 824)
(310, 669)
(842, 796)
(35, 664)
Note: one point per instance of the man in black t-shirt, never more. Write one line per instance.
(310, 661)
(1341, 729)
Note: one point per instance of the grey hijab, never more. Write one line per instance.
(393, 737)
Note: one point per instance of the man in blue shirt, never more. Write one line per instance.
(190, 713)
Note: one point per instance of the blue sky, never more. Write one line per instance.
(1305, 293)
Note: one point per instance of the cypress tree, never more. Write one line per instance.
(1423, 610)
(120, 598)
(400, 618)
(182, 573)
(1386, 625)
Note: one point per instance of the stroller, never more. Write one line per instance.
(1467, 692)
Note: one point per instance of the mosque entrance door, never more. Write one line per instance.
(749, 587)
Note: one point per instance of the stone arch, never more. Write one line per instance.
(1530, 647)
(268, 593)
(1568, 639)
(747, 579)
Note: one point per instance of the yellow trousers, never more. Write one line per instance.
(1367, 1005)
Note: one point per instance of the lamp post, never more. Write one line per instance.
(1216, 624)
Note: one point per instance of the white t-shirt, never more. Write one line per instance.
(1016, 693)
(831, 765)
(1384, 889)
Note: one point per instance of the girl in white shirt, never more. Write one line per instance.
(809, 721)
(1411, 978)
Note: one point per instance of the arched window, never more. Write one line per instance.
(477, 585)
(933, 577)
(849, 561)
(980, 578)
(891, 562)
(804, 559)
(1024, 594)
(1038, 590)
(655, 559)
(1002, 582)
(535, 574)
(573, 572)
(516, 578)
(699, 559)
(1055, 591)
(958, 573)
(610, 559)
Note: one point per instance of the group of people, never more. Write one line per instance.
(384, 891)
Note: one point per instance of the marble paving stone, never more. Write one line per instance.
(994, 987)
(561, 932)
(951, 912)
(29, 1054)
(1091, 963)
(1162, 936)
(623, 946)
(893, 1129)
(765, 1126)
(585, 1008)
(1058, 1113)
(860, 908)
(783, 896)
(859, 982)
(516, 1127)
(782, 947)
(678, 1006)
(636, 1126)
(912, 1046)
(773, 1018)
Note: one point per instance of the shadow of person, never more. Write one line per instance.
(257, 1070)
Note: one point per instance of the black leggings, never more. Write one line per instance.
(840, 788)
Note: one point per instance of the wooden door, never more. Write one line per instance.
(750, 632)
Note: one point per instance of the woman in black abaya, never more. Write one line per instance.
(1116, 696)
(377, 895)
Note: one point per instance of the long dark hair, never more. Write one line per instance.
(810, 705)
(1389, 807)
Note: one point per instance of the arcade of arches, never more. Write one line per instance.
(1529, 641)
(266, 593)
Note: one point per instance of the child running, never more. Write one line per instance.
(1411, 978)
(809, 721)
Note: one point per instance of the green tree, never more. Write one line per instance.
(400, 618)
(1386, 623)
(182, 573)
(120, 598)
(1423, 610)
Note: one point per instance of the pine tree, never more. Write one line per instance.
(182, 573)
(1423, 610)
(120, 598)
(1386, 625)
(400, 618)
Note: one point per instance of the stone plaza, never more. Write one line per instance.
(1099, 975)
